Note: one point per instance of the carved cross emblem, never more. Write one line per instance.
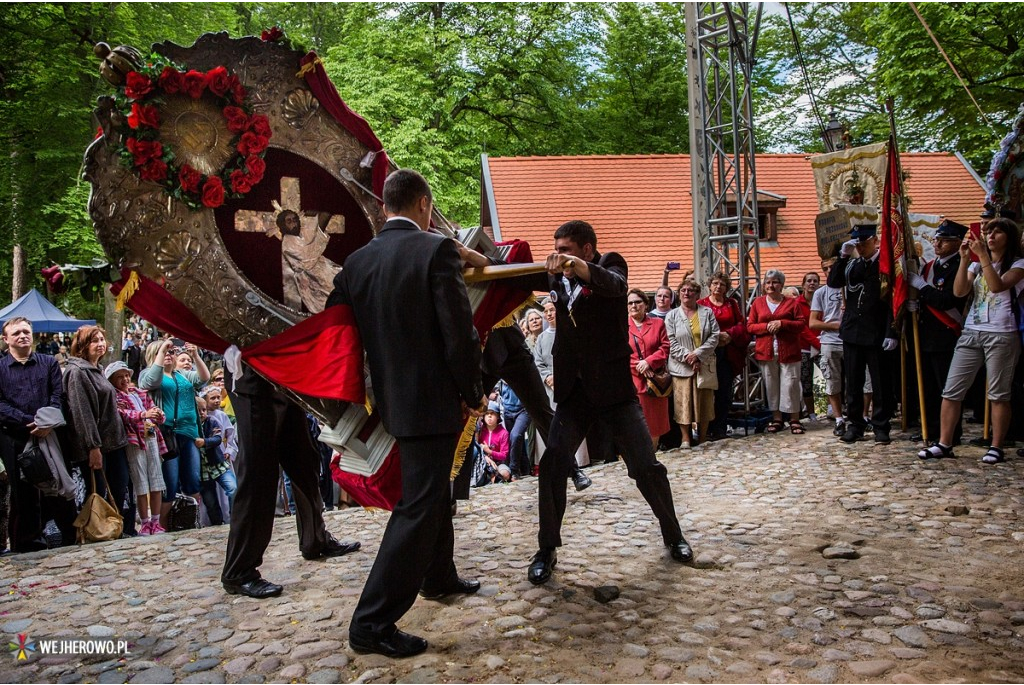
(288, 209)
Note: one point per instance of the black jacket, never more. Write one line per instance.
(867, 316)
(936, 335)
(592, 341)
(406, 290)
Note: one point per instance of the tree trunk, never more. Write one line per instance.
(113, 321)
(18, 271)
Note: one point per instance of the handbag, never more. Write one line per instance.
(33, 465)
(167, 431)
(707, 375)
(184, 513)
(660, 384)
(99, 519)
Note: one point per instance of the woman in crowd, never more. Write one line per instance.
(174, 391)
(534, 326)
(776, 321)
(809, 344)
(649, 354)
(731, 353)
(693, 336)
(663, 300)
(990, 335)
(97, 434)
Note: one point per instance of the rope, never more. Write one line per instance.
(803, 71)
(950, 63)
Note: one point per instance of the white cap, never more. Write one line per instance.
(114, 367)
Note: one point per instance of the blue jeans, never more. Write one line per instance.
(516, 424)
(183, 470)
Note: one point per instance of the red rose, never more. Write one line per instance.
(171, 81)
(256, 166)
(237, 89)
(195, 84)
(144, 150)
(144, 115)
(154, 170)
(252, 144)
(274, 34)
(137, 85)
(217, 80)
(260, 125)
(189, 179)
(240, 182)
(213, 192)
(238, 120)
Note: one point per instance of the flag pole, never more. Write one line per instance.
(889, 106)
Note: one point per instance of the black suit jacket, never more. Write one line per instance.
(592, 344)
(406, 290)
(867, 318)
(936, 336)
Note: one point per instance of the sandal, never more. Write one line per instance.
(993, 456)
(936, 451)
(773, 427)
(795, 428)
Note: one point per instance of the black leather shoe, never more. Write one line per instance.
(882, 436)
(333, 548)
(581, 480)
(917, 437)
(681, 551)
(541, 566)
(459, 586)
(852, 434)
(259, 588)
(397, 645)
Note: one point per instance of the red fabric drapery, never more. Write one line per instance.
(891, 260)
(320, 357)
(325, 92)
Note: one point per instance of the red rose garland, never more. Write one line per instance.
(140, 101)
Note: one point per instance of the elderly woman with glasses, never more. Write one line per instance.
(776, 322)
(731, 353)
(693, 337)
(649, 343)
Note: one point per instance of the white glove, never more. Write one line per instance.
(848, 249)
(913, 305)
(889, 344)
(916, 281)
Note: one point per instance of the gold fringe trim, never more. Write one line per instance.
(852, 155)
(129, 289)
(368, 406)
(308, 67)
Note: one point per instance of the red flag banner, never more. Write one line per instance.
(891, 258)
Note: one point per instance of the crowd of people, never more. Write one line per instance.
(157, 422)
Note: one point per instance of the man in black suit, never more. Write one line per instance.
(865, 331)
(941, 319)
(272, 434)
(591, 362)
(410, 303)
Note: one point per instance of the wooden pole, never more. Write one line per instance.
(500, 271)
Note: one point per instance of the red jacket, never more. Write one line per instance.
(808, 338)
(652, 341)
(790, 314)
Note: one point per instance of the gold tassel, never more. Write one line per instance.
(514, 315)
(308, 67)
(368, 406)
(131, 286)
(460, 452)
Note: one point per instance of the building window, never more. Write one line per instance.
(767, 226)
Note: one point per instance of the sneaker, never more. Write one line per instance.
(812, 417)
(840, 428)
(155, 528)
(145, 529)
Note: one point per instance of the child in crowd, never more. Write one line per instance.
(215, 466)
(145, 445)
(494, 444)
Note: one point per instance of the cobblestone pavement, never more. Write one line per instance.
(817, 562)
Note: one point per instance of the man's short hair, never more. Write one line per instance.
(15, 320)
(580, 232)
(403, 189)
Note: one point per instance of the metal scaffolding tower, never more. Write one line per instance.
(720, 38)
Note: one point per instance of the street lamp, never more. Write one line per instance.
(834, 134)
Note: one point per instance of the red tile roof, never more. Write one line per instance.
(640, 205)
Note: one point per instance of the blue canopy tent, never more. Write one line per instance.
(44, 316)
